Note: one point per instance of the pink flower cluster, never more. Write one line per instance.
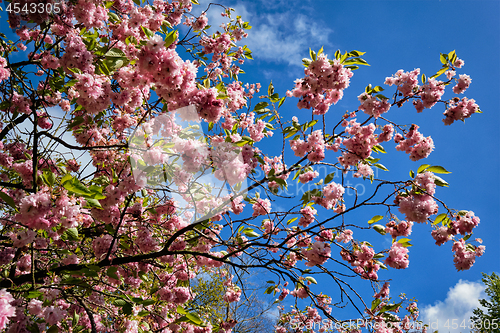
(20, 104)
(384, 291)
(332, 195)
(417, 207)
(322, 85)
(407, 82)
(33, 210)
(364, 170)
(344, 236)
(463, 223)
(308, 176)
(360, 143)
(398, 257)
(4, 72)
(232, 295)
(402, 228)
(362, 260)
(92, 16)
(459, 110)
(261, 207)
(50, 62)
(76, 55)
(426, 181)
(177, 295)
(415, 144)
(315, 144)
(318, 254)
(101, 246)
(307, 217)
(6, 309)
(462, 84)
(373, 106)
(465, 254)
(94, 92)
(431, 93)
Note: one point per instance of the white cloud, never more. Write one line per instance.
(285, 37)
(282, 37)
(453, 314)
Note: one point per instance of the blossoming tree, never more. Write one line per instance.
(112, 246)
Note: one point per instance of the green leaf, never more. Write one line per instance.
(412, 174)
(310, 124)
(34, 294)
(337, 54)
(127, 309)
(250, 232)
(8, 200)
(76, 187)
(282, 100)
(329, 177)
(143, 276)
(443, 58)
(355, 53)
(111, 272)
(439, 218)
(260, 106)
(404, 242)
(53, 329)
(290, 134)
(76, 318)
(440, 181)
(423, 78)
(378, 89)
(311, 279)
(379, 149)
(269, 289)
(375, 303)
(379, 228)
(437, 169)
(390, 307)
(356, 61)
(441, 71)
(76, 121)
(194, 318)
(170, 38)
(270, 89)
(380, 166)
(452, 56)
(422, 168)
(147, 32)
(72, 234)
(312, 54)
(376, 218)
(93, 202)
(49, 177)
(291, 221)
(148, 302)
(115, 53)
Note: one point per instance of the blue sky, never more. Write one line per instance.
(403, 35)
(400, 35)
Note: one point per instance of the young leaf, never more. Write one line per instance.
(376, 218)
(440, 181)
(8, 200)
(379, 228)
(437, 169)
(439, 218)
(422, 168)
